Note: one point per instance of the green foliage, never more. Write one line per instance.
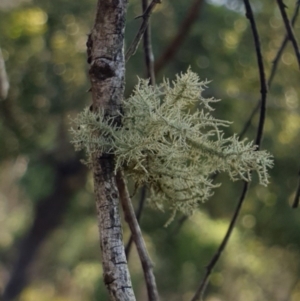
(169, 148)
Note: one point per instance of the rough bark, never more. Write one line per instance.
(107, 67)
(137, 237)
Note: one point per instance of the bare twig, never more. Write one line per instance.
(263, 89)
(269, 84)
(290, 36)
(200, 291)
(138, 217)
(263, 83)
(273, 71)
(133, 47)
(149, 62)
(289, 29)
(182, 33)
(137, 237)
(148, 53)
(297, 196)
(249, 120)
(283, 45)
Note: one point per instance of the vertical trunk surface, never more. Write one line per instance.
(107, 67)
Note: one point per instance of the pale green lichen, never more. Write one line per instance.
(166, 146)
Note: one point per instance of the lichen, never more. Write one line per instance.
(165, 144)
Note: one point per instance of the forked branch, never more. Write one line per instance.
(137, 238)
(289, 29)
(146, 15)
(273, 71)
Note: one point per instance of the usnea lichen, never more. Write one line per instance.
(165, 146)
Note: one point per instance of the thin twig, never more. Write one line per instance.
(263, 89)
(273, 71)
(269, 84)
(149, 62)
(182, 33)
(200, 291)
(137, 237)
(148, 52)
(289, 29)
(263, 83)
(297, 196)
(133, 47)
(249, 120)
(290, 36)
(283, 45)
(138, 215)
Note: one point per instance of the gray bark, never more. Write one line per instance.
(137, 237)
(107, 67)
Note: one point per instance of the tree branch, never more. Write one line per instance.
(148, 53)
(146, 15)
(149, 62)
(137, 237)
(201, 289)
(182, 33)
(283, 45)
(297, 196)
(273, 71)
(138, 217)
(263, 83)
(249, 120)
(289, 29)
(263, 89)
(107, 70)
(290, 36)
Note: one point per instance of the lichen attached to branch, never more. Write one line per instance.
(170, 142)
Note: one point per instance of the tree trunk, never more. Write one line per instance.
(107, 67)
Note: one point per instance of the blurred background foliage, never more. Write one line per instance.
(49, 246)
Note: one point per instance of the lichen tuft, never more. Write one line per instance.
(168, 147)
